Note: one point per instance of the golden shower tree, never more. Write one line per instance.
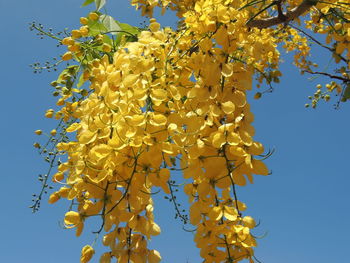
(141, 103)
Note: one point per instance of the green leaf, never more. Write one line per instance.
(81, 80)
(107, 39)
(118, 39)
(88, 2)
(346, 94)
(72, 69)
(128, 28)
(68, 71)
(110, 24)
(62, 77)
(99, 4)
(96, 27)
(131, 33)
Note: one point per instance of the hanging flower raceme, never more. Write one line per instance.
(161, 100)
(169, 95)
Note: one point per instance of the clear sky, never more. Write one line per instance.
(303, 206)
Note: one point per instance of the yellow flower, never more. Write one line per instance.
(74, 47)
(106, 47)
(49, 113)
(154, 26)
(249, 222)
(259, 167)
(84, 31)
(161, 179)
(216, 213)
(58, 177)
(105, 258)
(86, 254)
(71, 219)
(154, 256)
(54, 198)
(86, 137)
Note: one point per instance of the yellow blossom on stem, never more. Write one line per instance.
(159, 100)
(67, 56)
(38, 132)
(86, 254)
(93, 16)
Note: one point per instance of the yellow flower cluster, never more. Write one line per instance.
(158, 99)
(72, 42)
(337, 31)
(331, 20)
(172, 95)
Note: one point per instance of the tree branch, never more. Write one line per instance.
(282, 18)
(346, 80)
(319, 43)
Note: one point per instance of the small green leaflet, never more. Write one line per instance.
(81, 80)
(128, 28)
(70, 70)
(87, 2)
(110, 24)
(96, 27)
(129, 31)
(99, 4)
(346, 94)
(108, 40)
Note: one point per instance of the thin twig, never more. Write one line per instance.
(284, 18)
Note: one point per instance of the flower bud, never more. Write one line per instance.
(49, 113)
(36, 145)
(38, 132)
(106, 47)
(54, 198)
(67, 56)
(257, 95)
(53, 132)
(93, 16)
(84, 31)
(84, 21)
(68, 41)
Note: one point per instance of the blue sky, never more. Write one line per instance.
(303, 206)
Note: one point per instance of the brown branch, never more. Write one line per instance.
(280, 10)
(328, 75)
(283, 18)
